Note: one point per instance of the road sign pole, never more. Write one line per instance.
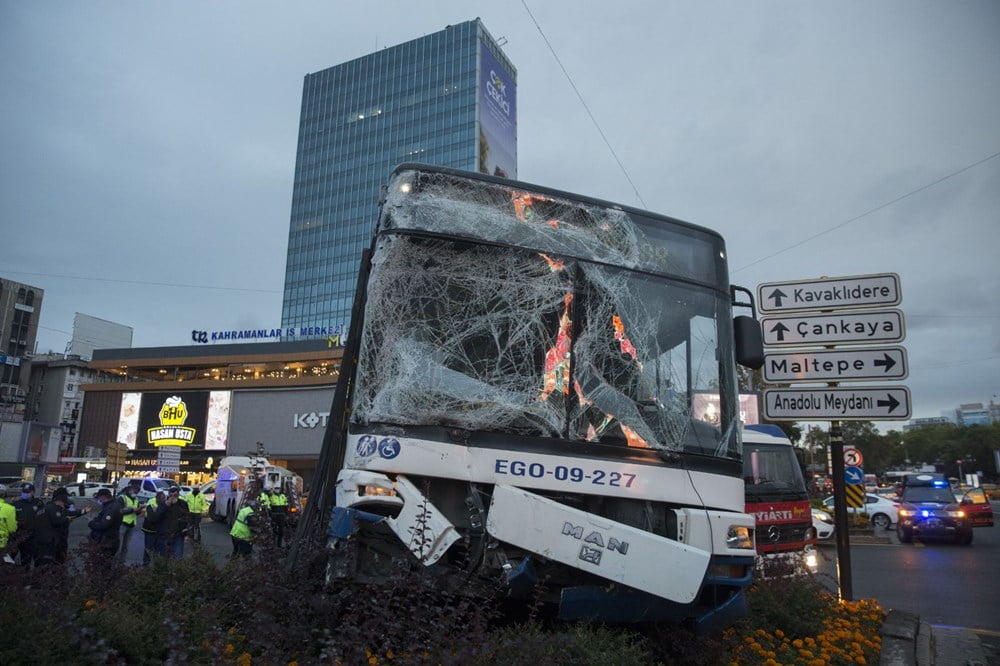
(840, 513)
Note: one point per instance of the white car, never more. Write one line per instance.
(89, 489)
(881, 511)
(823, 524)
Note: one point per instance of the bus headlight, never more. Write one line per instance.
(811, 561)
(378, 491)
(739, 536)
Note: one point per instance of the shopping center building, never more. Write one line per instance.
(234, 400)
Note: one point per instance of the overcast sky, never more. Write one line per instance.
(147, 149)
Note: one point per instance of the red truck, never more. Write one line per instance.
(776, 497)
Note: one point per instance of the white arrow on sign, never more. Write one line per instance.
(833, 329)
(852, 291)
(888, 403)
(853, 457)
(831, 365)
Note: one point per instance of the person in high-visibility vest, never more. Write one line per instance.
(279, 510)
(196, 505)
(130, 513)
(8, 525)
(243, 529)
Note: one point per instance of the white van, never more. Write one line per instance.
(149, 487)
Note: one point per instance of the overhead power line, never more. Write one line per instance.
(147, 283)
(868, 212)
(584, 103)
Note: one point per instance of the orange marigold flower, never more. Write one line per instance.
(230, 648)
(798, 643)
(860, 660)
(244, 659)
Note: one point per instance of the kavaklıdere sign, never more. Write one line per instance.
(854, 291)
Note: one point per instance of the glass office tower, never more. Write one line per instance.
(447, 99)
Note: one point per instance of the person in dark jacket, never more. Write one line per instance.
(104, 528)
(171, 524)
(26, 508)
(149, 526)
(52, 529)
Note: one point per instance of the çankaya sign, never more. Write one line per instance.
(843, 404)
(854, 291)
(848, 328)
(860, 364)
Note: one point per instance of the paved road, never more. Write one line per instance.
(215, 539)
(945, 584)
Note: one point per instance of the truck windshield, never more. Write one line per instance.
(771, 469)
(490, 309)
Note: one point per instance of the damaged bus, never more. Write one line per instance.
(522, 409)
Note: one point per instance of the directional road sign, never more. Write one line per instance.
(852, 291)
(847, 328)
(858, 364)
(854, 476)
(853, 457)
(887, 403)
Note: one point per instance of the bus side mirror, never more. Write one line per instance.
(749, 342)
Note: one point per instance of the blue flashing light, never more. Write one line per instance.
(925, 513)
(767, 429)
(940, 484)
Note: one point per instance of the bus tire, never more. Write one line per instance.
(212, 514)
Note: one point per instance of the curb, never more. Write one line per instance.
(908, 640)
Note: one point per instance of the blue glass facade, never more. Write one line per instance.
(415, 102)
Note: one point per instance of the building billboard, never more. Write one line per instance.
(497, 117)
(289, 422)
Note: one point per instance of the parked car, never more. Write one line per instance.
(208, 490)
(89, 488)
(928, 509)
(977, 507)
(10, 486)
(888, 492)
(823, 524)
(881, 511)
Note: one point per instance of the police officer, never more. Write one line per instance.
(130, 513)
(196, 505)
(243, 529)
(27, 509)
(104, 528)
(52, 529)
(279, 511)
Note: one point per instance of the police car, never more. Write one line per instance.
(928, 509)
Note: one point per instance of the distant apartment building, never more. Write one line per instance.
(20, 307)
(447, 99)
(973, 413)
(55, 398)
(917, 424)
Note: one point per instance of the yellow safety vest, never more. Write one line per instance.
(8, 522)
(196, 503)
(130, 503)
(241, 528)
(279, 499)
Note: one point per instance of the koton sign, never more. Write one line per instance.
(855, 291)
(859, 364)
(841, 403)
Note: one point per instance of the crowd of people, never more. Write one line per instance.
(34, 533)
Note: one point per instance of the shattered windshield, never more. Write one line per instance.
(540, 341)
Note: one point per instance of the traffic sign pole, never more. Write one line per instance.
(840, 513)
